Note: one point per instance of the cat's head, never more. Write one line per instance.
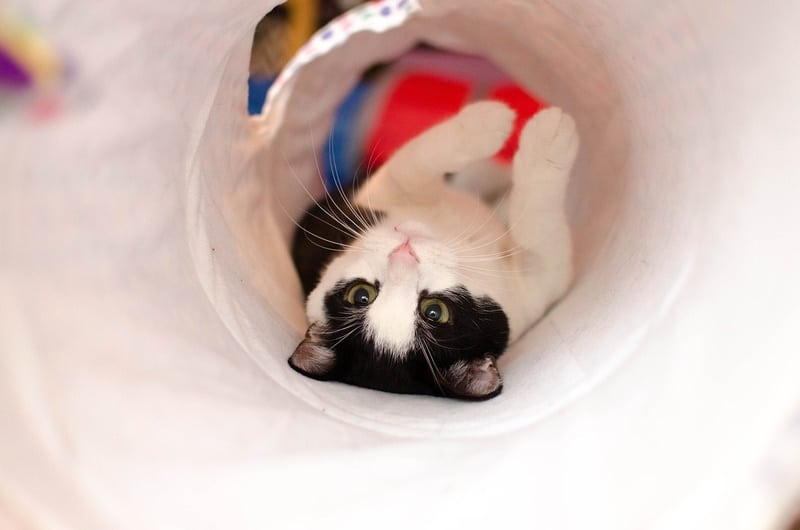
(391, 312)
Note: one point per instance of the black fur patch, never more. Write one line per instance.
(478, 326)
(324, 231)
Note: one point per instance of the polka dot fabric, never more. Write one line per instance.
(373, 16)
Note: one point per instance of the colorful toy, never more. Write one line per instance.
(27, 59)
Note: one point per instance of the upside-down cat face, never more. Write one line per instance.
(390, 313)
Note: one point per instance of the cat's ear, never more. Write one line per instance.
(477, 379)
(311, 357)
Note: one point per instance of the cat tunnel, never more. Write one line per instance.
(149, 303)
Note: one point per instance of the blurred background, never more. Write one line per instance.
(44, 75)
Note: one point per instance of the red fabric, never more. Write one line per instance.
(525, 105)
(416, 102)
(420, 100)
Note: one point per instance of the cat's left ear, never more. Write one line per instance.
(311, 357)
(477, 379)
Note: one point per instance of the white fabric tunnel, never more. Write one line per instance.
(148, 304)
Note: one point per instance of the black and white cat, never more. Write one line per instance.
(417, 287)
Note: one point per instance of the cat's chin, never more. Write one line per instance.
(413, 230)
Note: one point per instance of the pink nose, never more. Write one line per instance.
(404, 252)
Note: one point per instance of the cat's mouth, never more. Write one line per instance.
(404, 252)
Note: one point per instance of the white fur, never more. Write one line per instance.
(524, 266)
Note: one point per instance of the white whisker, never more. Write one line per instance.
(341, 224)
(437, 375)
(352, 225)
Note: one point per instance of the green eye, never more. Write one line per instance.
(434, 310)
(361, 294)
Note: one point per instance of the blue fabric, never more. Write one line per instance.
(339, 157)
(257, 93)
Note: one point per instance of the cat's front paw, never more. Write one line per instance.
(484, 128)
(551, 138)
(547, 149)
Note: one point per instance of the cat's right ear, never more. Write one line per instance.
(311, 357)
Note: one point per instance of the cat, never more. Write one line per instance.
(414, 286)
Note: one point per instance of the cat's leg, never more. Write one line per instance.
(415, 174)
(537, 218)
